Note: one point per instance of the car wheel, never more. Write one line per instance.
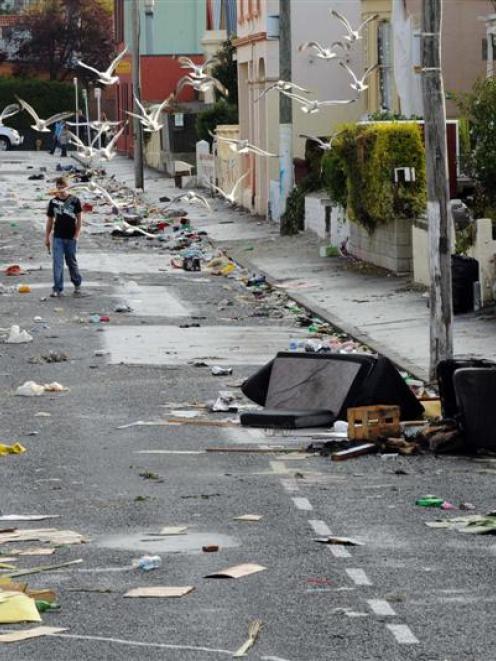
(4, 143)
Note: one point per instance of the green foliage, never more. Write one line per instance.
(359, 172)
(479, 110)
(293, 219)
(226, 71)
(221, 112)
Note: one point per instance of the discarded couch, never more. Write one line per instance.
(313, 389)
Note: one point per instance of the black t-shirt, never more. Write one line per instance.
(64, 212)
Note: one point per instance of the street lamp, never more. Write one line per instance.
(75, 83)
(149, 10)
(87, 111)
(98, 96)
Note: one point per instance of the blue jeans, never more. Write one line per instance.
(64, 248)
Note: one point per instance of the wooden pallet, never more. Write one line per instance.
(368, 423)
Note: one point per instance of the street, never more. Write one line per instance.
(407, 592)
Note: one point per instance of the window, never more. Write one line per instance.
(384, 58)
(485, 55)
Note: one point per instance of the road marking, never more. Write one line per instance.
(278, 467)
(403, 634)
(290, 485)
(339, 551)
(302, 504)
(320, 527)
(358, 576)
(381, 607)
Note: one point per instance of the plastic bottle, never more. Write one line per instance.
(149, 562)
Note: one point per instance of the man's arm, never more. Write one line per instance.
(79, 222)
(48, 230)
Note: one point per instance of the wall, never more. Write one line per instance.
(229, 166)
(325, 219)
(389, 247)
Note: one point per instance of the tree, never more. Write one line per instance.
(52, 35)
(226, 71)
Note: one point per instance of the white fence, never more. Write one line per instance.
(205, 165)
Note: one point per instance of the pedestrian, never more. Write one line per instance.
(57, 130)
(64, 220)
(64, 140)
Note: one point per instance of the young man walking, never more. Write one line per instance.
(64, 220)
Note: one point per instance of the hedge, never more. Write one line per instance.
(358, 172)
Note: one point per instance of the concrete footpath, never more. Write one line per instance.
(378, 308)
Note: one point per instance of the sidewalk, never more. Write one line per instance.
(379, 309)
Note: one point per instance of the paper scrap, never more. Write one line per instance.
(17, 607)
(28, 517)
(160, 591)
(173, 530)
(17, 636)
(16, 448)
(238, 571)
(248, 517)
(33, 551)
(253, 632)
(345, 541)
(52, 535)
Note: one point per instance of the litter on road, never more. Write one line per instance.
(160, 592)
(17, 636)
(15, 448)
(17, 607)
(249, 517)
(254, 630)
(238, 571)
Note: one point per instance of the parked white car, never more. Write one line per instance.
(9, 138)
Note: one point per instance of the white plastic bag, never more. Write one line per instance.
(18, 336)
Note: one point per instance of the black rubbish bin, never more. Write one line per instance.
(464, 272)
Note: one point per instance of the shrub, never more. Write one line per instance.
(208, 120)
(293, 219)
(358, 172)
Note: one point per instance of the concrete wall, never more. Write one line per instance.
(326, 220)
(229, 166)
(483, 250)
(389, 247)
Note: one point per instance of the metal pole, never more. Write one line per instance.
(87, 111)
(149, 6)
(76, 93)
(137, 128)
(286, 174)
(98, 97)
(438, 211)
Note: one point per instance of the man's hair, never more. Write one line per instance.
(61, 181)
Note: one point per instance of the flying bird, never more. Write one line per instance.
(243, 146)
(231, 197)
(9, 111)
(108, 152)
(352, 35)
(42, 125)
(86, 151)
(283, 86)
(310, 106)
(105, 77)
(358, 84)
(322, 144)
(321, 52)
(150, 119)
(202, 84)
(198, 71)
(192, 198)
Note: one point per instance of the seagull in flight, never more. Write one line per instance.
(108, 152)
(310, 106)
(283, 86)
(41, 125)
(86, 151)
(231, 197)
(198, 71)
(322, 144)
(9, 111)
(150, 120)
(105, 77)
(192, 198)
(358, 84)
(243, 146)
(321, 52)
(202, 84)
(93, 187)
(352, 35)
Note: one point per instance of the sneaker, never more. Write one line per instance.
(56, 294)
(77, 291)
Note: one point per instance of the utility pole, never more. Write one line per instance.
(286, 175)
(137, 128)
(438, 212)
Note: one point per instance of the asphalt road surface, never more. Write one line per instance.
(409, 592)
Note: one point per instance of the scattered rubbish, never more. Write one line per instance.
(371, 422)
(18, 336)
(38, 320)
(448, 506)
(429, 501)
(160, 592)
(54, 357)
(42, 606)
(122, 307)
(149, 475)
(210, 548)
(27, 517)
(345, 541)
(474, 524)
(49, 535)
(356, 451)
(171, 530)
(42, 414)
(341, 426)
(467, 506)
(224, 402)
(17, 607)
(249, 517)
(14, 269)
(200, 422)
(17, 636)
(24, 289)
(30, 389)
(254, 629)
(238, 571)
(217, 370)
(15, 448)
(148, 562)
(36, 551)
(43, 568)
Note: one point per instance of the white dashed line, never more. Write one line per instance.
(278, 467)
(302, 504)
(339, 551)
(290, 485)
(320, 527)
(380, 607)
(403, 634)
(358, 576)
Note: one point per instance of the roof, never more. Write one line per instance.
(8, 20)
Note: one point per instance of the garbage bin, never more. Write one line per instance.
(464, 272)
